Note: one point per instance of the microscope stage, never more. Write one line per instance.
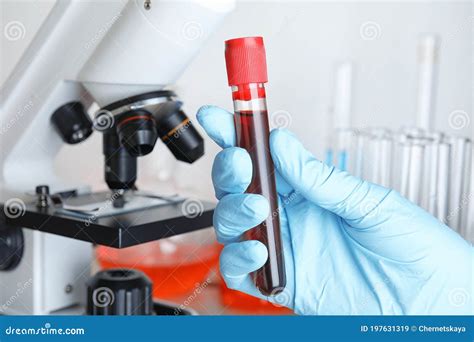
(122, 229)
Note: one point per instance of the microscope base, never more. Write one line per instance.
(49, 277)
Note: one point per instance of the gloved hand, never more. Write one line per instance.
(351, 247)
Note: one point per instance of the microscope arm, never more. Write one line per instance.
(92, 51)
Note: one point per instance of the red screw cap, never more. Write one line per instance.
(245, 61)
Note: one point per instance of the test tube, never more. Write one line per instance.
(343, 155)
(384, 155)
(340, 121)
(409, 172)
(443, 182)
(460, 155)
(399, 178)
(343, 95)
(460, 169)
(427, 71)
(466, 190)
(368, 157)
(350, 138)
(415, 171)
(329, 154)
(376, 155)
(342, 112)
(430, 171)
(247, 74)
(360, 158)
(429, 188)
(469, 229)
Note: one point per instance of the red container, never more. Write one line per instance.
(174, 265)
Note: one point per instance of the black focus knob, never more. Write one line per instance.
(42, 191)
(11, 246)
(72, 122)
(119, 292)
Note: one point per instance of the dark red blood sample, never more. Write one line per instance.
(253, 135)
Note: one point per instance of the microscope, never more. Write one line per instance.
(118, 56)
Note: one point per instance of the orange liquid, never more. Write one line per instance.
(172, 274)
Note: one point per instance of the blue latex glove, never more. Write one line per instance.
(351, 247)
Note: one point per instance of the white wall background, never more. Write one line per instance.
(304, 41)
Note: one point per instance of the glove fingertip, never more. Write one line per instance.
(218, 124)
(258, 205)
(202, 113)
(241, 258)
(232, 161)
(237, 213)
(205, 111)
(260, 252)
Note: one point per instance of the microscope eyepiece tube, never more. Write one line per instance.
(72, 122)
